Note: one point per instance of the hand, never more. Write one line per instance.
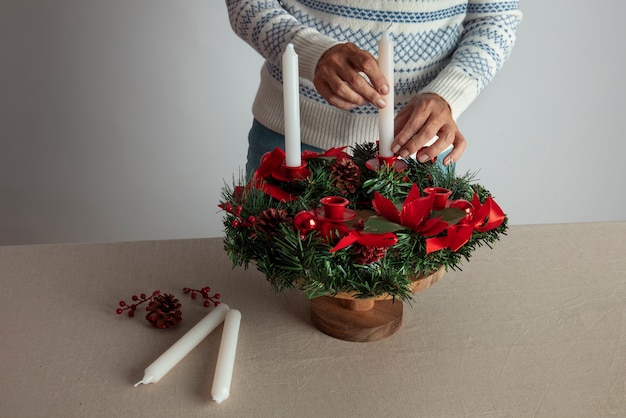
(339, 80)
(427, 115)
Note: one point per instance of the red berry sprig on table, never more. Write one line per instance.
(164, 309)
(137, 300)
(204, 292)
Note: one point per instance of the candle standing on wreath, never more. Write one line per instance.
(291, 99)
(386, 114)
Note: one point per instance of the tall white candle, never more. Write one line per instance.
(226, 357)
(291, 99)
(386, 114)
(184, 345)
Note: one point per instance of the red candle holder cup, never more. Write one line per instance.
(334, 206)
(388, 161)
(441, 196)
(290, 174)
(380, 161)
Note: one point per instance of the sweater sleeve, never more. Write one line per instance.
(486, 42)
(268, 27)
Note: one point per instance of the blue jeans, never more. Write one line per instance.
(262, 140)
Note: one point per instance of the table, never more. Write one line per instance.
(535, 327)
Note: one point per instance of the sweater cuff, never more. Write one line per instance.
(455, 87)
(310, 45)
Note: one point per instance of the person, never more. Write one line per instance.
(445, 53)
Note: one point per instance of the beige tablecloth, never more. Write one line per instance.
(534, 328)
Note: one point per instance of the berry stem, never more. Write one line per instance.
(137, 300)
(204, 292)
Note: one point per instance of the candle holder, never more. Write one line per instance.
(380, 161)
(441, 196)
(333, 215)
(334, 209)
(288, 174)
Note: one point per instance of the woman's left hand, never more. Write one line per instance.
(427, 115)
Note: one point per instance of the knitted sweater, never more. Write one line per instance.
(449, 47)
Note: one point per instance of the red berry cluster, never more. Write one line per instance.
(240, 221)
(137, 300)
(204, 292)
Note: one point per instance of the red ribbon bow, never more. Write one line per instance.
(415, 212)
(273, 160)
(337, 153)
(487, 216)
(368, 240)
(270, 162)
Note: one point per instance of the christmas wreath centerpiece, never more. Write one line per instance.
(342, 225)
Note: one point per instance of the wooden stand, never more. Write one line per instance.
(356, 320)
(363, 320)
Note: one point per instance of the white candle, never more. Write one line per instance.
(184, 345)
(386, 114)
(226, 357)
(291, 99)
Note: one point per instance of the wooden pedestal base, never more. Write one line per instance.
(356, 320)
(348, 318)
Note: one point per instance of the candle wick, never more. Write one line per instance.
(389, 27)
(138, 383)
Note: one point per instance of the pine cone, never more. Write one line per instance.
(346, 176)
(368, 255)
(163, 311)
(269, 220)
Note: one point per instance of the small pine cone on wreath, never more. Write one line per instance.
(346, 176)
(270, 219)
(368, 255)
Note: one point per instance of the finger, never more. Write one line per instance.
(360, 71)
(371, 69)
(421, 136)
(459, 147)
(359, 86)
(400, 121)
(409, 125)
(339, 94)
(445, 138)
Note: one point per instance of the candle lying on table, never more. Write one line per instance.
(226, 357)
(182, 347)
(291, 99)
(386, 114)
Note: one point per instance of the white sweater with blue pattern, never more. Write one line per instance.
(448, 47)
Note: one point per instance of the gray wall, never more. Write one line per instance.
(121, 119)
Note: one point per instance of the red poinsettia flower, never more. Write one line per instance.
(486, 216)
(414, 214)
